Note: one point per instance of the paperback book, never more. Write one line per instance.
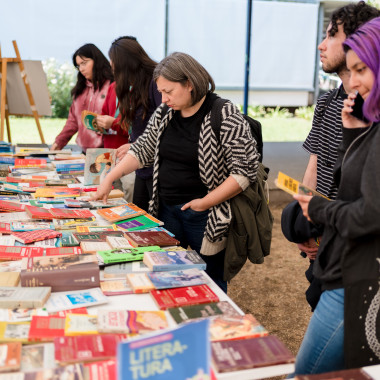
(150, 238)
(115, 287)
(10, 354)
(61, 273)
(190, 295)
(21, 226)
(46, 328)
(185, 354)
(19, 297)
(176, 279)
(123, 212)
(81, 324)
(14, 331)
(131, 321)
(36, 235)
(37, 357)
(141, 222)
(122, 255)
(139, 282)
(99, 162)
(173, 260)
(62, 213)
(96, 236)
(186, 313)
(116, 270)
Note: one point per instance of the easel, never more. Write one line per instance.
(4, 113)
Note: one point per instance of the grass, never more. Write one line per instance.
(24, 129)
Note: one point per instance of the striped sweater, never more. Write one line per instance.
(234, 155)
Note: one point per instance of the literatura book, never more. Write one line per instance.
(178, 353)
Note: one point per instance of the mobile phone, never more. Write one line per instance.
(357, 109)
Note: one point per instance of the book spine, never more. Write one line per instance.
(83, 276)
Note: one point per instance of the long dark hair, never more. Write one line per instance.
(101, 71)
(133, 71)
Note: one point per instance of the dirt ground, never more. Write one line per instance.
(274, 292)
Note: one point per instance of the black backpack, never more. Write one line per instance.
(216, 113)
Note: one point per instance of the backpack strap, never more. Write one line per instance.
(331, 96)
(216, 116)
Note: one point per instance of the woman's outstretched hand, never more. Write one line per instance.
(102, 192)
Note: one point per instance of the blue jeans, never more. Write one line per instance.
(189, 226)
(322, 346)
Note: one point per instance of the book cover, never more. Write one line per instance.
(81, 324)
(186, 313)
(72, 349)
(124, 254)
(177, 279)
(89, 120)
(10, 266)
(184, 354)
(37, 357)
(14, 331)
(76, 203)
(7, 240)
(61, 273)
(105, 369)
(116, 270)
(292, 186)
(72, 372)
(96, 236)
(86, 229)
(30, 163)
(63, 213)
(141, 222)
(70, 224)
(93, 247)
(173, 260)
(18, 297)
(38, 212)
(11, 206)
(110, 203)
(126, 211)
(46, 328)
(131, 321)
(190, 295)
(238, 327)
(36, 235)
(115, 287)
(68, 239)
(57, 192)
(71, 300)
(139, 282)
(21, 226)
(235, 355)
(118, 242)
(99, 162)
(10, 354)
(149, 238)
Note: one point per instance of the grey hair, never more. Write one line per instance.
(181, 67)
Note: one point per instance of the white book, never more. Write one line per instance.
(8, 217)
(118, 242)
(7, 240)
(20, 297)
(37, 357)
(72, 300)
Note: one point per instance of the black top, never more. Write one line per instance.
(178, 178)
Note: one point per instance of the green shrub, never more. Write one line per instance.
(305, 112)
(280, 113)
(61, 78)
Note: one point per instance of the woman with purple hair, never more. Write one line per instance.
(344, 331)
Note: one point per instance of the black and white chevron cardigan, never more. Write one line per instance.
(234, 155)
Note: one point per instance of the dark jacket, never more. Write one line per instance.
(250, 231)
(349, 255)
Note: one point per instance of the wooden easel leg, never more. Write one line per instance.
(8, 127)
(36, 118)
(3, 95)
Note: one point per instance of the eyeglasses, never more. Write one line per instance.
(82, 64)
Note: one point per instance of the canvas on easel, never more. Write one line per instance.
(24, 91)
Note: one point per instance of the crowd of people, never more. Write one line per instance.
(157, 116)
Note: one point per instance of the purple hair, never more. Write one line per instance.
(365, 42)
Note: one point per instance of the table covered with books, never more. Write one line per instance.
(91, 290)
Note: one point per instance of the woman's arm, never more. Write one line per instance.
(228, 189)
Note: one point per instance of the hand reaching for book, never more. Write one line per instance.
(102, 192)
(104, 122)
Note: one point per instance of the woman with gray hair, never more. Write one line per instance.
(195, 173)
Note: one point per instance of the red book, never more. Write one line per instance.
(190, 295)
(38, 212)
(11, 206)
(5, 228)
(63, 213)
(235, 355)
(102, 370)
(46, 328)
(150, 238)
(34, 178)
(38, 235)
(18, 253)
(73, 349)
(62, 313)
(29, 163)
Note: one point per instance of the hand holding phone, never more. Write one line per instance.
(357, 109)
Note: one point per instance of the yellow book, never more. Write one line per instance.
(9, 278)
(14, 331)
(139, 282)
(292, 186)
(81, 324)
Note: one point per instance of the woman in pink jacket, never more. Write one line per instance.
(89, 93)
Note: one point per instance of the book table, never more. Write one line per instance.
(146, 302)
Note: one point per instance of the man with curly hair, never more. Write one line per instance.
(326, 134)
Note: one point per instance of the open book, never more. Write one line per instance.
(292, 186)
(89, 121)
